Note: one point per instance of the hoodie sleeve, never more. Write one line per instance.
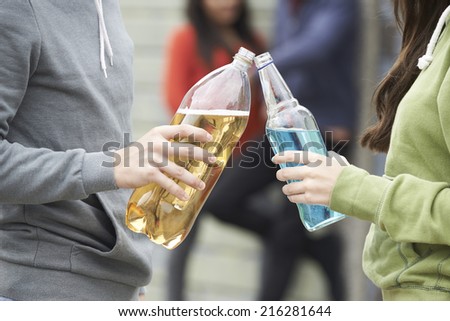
(36, 175)
(390, 204)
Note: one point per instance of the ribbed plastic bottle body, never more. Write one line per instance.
(291, 126)
(220, 104)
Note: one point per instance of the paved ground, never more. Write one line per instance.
(225, 266)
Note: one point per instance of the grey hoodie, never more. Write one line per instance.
(62, 231)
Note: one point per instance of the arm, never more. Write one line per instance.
(408, 208)
(331, 25)
(38, 175)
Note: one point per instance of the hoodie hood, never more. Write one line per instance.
(427, 59)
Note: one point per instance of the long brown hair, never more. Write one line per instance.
(417, 20)
(208, 34)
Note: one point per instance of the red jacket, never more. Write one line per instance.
(184, 67)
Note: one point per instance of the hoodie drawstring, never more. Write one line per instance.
(426, 59)
(104, 39)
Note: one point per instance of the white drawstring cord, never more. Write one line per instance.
(104, 39)
(426, 59)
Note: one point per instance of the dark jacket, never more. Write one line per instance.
(316, 50)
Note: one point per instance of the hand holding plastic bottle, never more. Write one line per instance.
(147, 160)
(220, 104)
(313, 183)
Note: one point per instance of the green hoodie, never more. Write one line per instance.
(407, 250)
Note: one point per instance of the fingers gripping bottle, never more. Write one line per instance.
(291, 126)
(220, 104)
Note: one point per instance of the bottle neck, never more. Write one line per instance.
(283, 110)
(241, 63)
(275, 90)
(243, 59)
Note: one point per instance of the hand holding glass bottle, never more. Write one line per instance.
(291, 127)
(313, 183)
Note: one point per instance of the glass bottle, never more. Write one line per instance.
(220, 104)
(291, 126)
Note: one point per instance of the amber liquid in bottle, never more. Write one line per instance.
(166, 219)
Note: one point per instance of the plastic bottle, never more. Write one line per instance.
(219, 103)
(291, 126)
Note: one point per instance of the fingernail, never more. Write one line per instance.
(184, 196)
(212, 159)
(209, 137)
(273, 159)
(201, 185)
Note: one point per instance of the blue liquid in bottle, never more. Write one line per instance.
(313, 217)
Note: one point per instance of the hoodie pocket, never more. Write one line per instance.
(60, 226)
(422, 250)
(128, 261)
(443, 270)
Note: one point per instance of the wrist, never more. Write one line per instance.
(98, 172)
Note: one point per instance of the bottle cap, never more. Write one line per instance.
(245, 55)
(263, 60)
